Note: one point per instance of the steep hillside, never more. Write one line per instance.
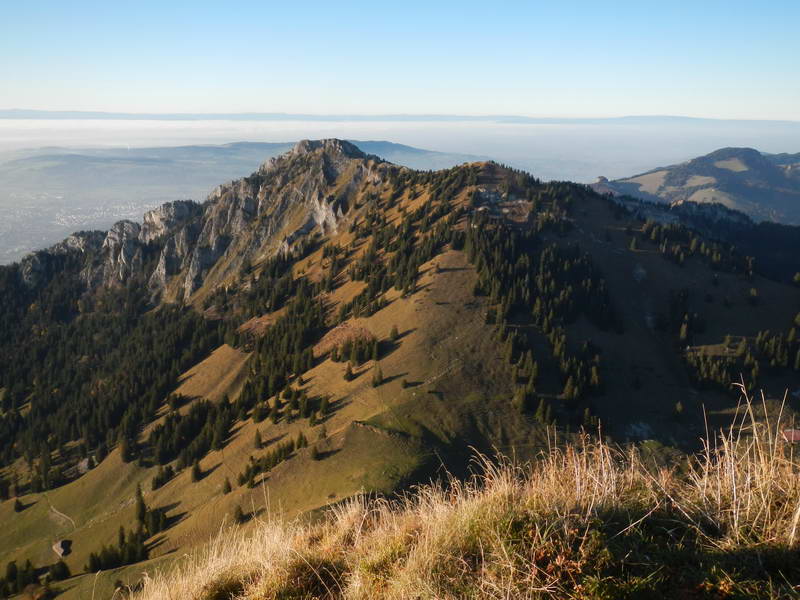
(765, 187)
(585, 521)
(334, 324)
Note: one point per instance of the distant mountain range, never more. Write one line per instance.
(766, 187)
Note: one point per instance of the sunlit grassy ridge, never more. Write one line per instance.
(586, 521)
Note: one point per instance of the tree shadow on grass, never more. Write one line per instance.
(205, 473)
(391, 378)
(23, 507)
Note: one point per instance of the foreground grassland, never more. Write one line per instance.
(586, 521)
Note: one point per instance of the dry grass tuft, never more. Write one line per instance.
(588, 520)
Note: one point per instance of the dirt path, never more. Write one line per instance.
(57, 516)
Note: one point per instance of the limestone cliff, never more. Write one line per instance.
(183, 247)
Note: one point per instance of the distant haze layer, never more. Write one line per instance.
(568, 149)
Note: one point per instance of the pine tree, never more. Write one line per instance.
(678, 409)
(348, 373)
(569, 391)
(141, 507)
(541, 410)
(197, 474)
(753, 296)
(588, 420)
(377, 376)
(18, 506)
(238, 514)
(226, 486)
(257, 442)
(394, 335)
(684, 333)
(274, 415)
(519, 401)
(59, 571)
(594, 378)
(126, 450)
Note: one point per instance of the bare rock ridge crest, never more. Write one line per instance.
(183, 245)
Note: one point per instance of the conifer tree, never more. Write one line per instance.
(678, 409)
(197, 473)
(377, 376)
(540, 411)
(141, 507)
(238, 514)
(257, 442)
(226, 486)
(569, 392)
(274, 415)
(684, 333)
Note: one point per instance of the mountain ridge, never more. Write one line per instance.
(763, 186)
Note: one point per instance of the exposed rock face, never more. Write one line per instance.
(62, 548)
(310, 188)
(167, 218)
(177, 248)
(121, 256)
(33, 268)
(82, 241)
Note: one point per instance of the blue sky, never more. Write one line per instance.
(578, 59)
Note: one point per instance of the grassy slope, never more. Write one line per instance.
(587, 521)
(651, 355)
(442, 330)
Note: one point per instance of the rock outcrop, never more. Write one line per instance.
(311, 186)
(183, 246)
(120, 256)
(167, 218)
(35, 267)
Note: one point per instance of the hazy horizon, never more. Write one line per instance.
(574, 149)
